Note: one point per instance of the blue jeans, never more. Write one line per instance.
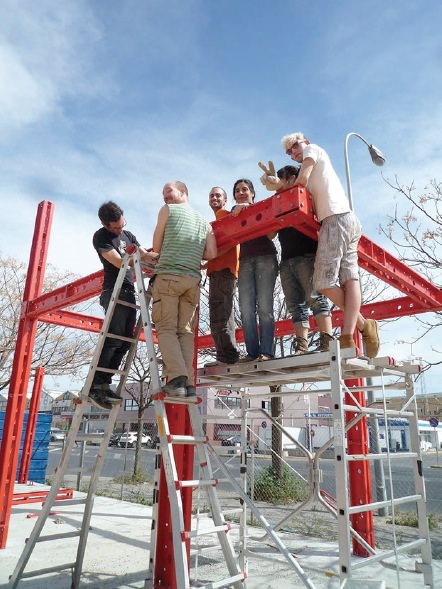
(256, 283)
(297, 284)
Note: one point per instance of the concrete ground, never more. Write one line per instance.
(117, 554)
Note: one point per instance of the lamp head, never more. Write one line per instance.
(377, 157)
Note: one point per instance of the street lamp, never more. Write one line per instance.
(376, 155)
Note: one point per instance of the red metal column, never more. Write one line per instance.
(359, 472)
(23, 475)
(179, 424)
(21, 367)
(164, 564)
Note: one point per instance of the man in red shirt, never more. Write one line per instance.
(222, 272)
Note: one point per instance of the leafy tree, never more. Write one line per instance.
(60, 350)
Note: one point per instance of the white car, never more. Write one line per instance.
(129, 439)
(56, 434)
(426, 445)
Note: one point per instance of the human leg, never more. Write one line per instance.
(266, 273)
(114, 350)
(222, 326)
(295, 302)
(166, 291)
(187, 316)
(247, 305)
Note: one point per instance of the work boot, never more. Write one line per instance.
(299, 346)
(346, 341)
(176, 387)
(99, 398)
(324, 342)
(110, 395)
(371, 338)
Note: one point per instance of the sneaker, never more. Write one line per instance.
(346, 341)
(299, 346)
(176, 387)
(324, 342)
(190, 391)
(371, 338)
(99, 398)
(247, 359)
(214, 363)
(263, 357)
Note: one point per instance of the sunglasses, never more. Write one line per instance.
(293, 146)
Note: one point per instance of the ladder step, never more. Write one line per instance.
(196, 483)
(126, 304)
(84, 437)
(61, 536)
(123, 338)
(110, 370)
(206, 531)
(172, 439)
(54, 569)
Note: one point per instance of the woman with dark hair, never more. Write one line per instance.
(258, 269)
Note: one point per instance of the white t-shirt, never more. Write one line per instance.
(328, 194)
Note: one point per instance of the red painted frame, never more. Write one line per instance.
(292, 207)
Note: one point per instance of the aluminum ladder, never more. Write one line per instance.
(75, 435)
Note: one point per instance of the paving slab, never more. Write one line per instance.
(117, 554)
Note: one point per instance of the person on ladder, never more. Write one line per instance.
(110, 243)
(183, 238)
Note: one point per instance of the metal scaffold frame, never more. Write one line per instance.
(291, 207)
(341, 373)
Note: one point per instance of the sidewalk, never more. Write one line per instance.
(117, 554)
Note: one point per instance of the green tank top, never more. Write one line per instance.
(184, 241)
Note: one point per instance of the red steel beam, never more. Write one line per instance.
(23, 475)
(21, 366)
(65, 296)
(293, 207)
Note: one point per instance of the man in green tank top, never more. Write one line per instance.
(183, 238)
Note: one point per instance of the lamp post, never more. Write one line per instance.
(376, 155)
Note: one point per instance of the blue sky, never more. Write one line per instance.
(109, 100)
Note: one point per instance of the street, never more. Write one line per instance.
(119, 461)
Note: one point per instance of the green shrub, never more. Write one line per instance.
(288, 489)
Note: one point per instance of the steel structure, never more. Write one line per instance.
(292, 207)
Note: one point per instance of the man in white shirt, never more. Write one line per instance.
(336, 265)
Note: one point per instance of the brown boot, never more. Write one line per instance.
(299, 346)
(346, 341)
(324, 342)
(371, 338)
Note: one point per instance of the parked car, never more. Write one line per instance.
(57, 434)
(426, 445)
(114, 439)
(231, 441)
(129, 439)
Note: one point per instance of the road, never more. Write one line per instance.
(119, 461)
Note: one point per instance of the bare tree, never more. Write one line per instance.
(60, 350)
(415, 230)
(138, 389)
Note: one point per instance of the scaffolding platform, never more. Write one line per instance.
(307, 368)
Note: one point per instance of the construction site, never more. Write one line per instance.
(208, 524)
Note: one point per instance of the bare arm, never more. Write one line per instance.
(305, 171)
(158, 234)
(210, 250)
